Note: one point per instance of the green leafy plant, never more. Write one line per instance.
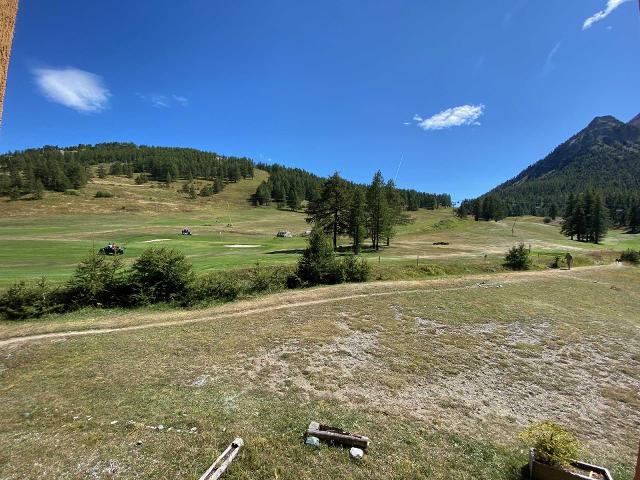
(24, 300)
(631, 256)
(161, 275)
(103, 194)
(318, 264)
(356, 269)
(552, 443)
(517, 258)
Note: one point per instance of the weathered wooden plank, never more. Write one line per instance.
(337, 436)
(218, 467)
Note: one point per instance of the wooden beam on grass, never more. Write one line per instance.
(216, 470)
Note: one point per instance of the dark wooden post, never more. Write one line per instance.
(8, 13)
(637, 477)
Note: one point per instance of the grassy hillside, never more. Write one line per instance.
(48, 237)
(440, 374)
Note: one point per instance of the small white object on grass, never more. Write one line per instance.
(312, 441)
(356, 453)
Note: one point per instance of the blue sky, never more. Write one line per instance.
(465, 93)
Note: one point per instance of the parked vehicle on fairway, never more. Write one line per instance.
(111, 249)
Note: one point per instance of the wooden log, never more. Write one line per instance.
(336, 436)
(218, 467)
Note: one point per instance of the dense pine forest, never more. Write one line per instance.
(603, 158)
(290, 186)
(35, 170)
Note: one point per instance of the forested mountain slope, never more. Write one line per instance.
(604, 156)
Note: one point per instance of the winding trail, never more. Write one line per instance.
(391, 288)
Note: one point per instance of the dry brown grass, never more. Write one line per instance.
(441, 374)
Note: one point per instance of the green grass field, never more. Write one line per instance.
(49, 237)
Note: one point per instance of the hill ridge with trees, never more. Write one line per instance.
(604, 158)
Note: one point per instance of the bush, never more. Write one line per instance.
(266, 279)
(552, 443)
(103, 194)
(98, 281)
(355, 269)
(142, 179)
(547, 220)
(518, 258)
(631, 256)
(318, 264)
(71, 192)
(30, 300)
(221, 286)
(161, 275)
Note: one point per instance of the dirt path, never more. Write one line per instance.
(390, 288)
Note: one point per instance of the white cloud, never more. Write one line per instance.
(180, 100)
(73, 88)
(451, 117)
(163, 101)
(602, 14)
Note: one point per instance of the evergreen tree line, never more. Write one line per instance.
(374, 211)
(622, 210)
(585, 217)
(291, 186)
(59, 169)
(487, 208)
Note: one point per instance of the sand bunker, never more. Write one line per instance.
(156, 240)
(240, 245)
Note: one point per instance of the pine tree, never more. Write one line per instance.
(318, 263)
(553, 211)
(579, 220)
(357, 220)
(293, 200)
(568, 227)
(634, 218)
(38, 190)
(218, 185)
(598, 219)
(377, 208)
(102, 173)
(331, 211)
(396, 215)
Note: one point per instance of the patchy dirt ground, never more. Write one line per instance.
(442, 375)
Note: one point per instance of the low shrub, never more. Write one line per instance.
(318, 264)
(142, 179)
(631, 256)
(355, 269)
(546, 219)
(266, 279)
(25, 300)
(103, 194)
(71, 192)
(217, 286)
(161, 275)
(517, 258)
(552, 443)
(98, 281)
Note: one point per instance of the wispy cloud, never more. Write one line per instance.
(515, 8)
(602, 14)
(83, 91)
(163, 101)
(548, 64)
(180, 100)
(451, 117)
